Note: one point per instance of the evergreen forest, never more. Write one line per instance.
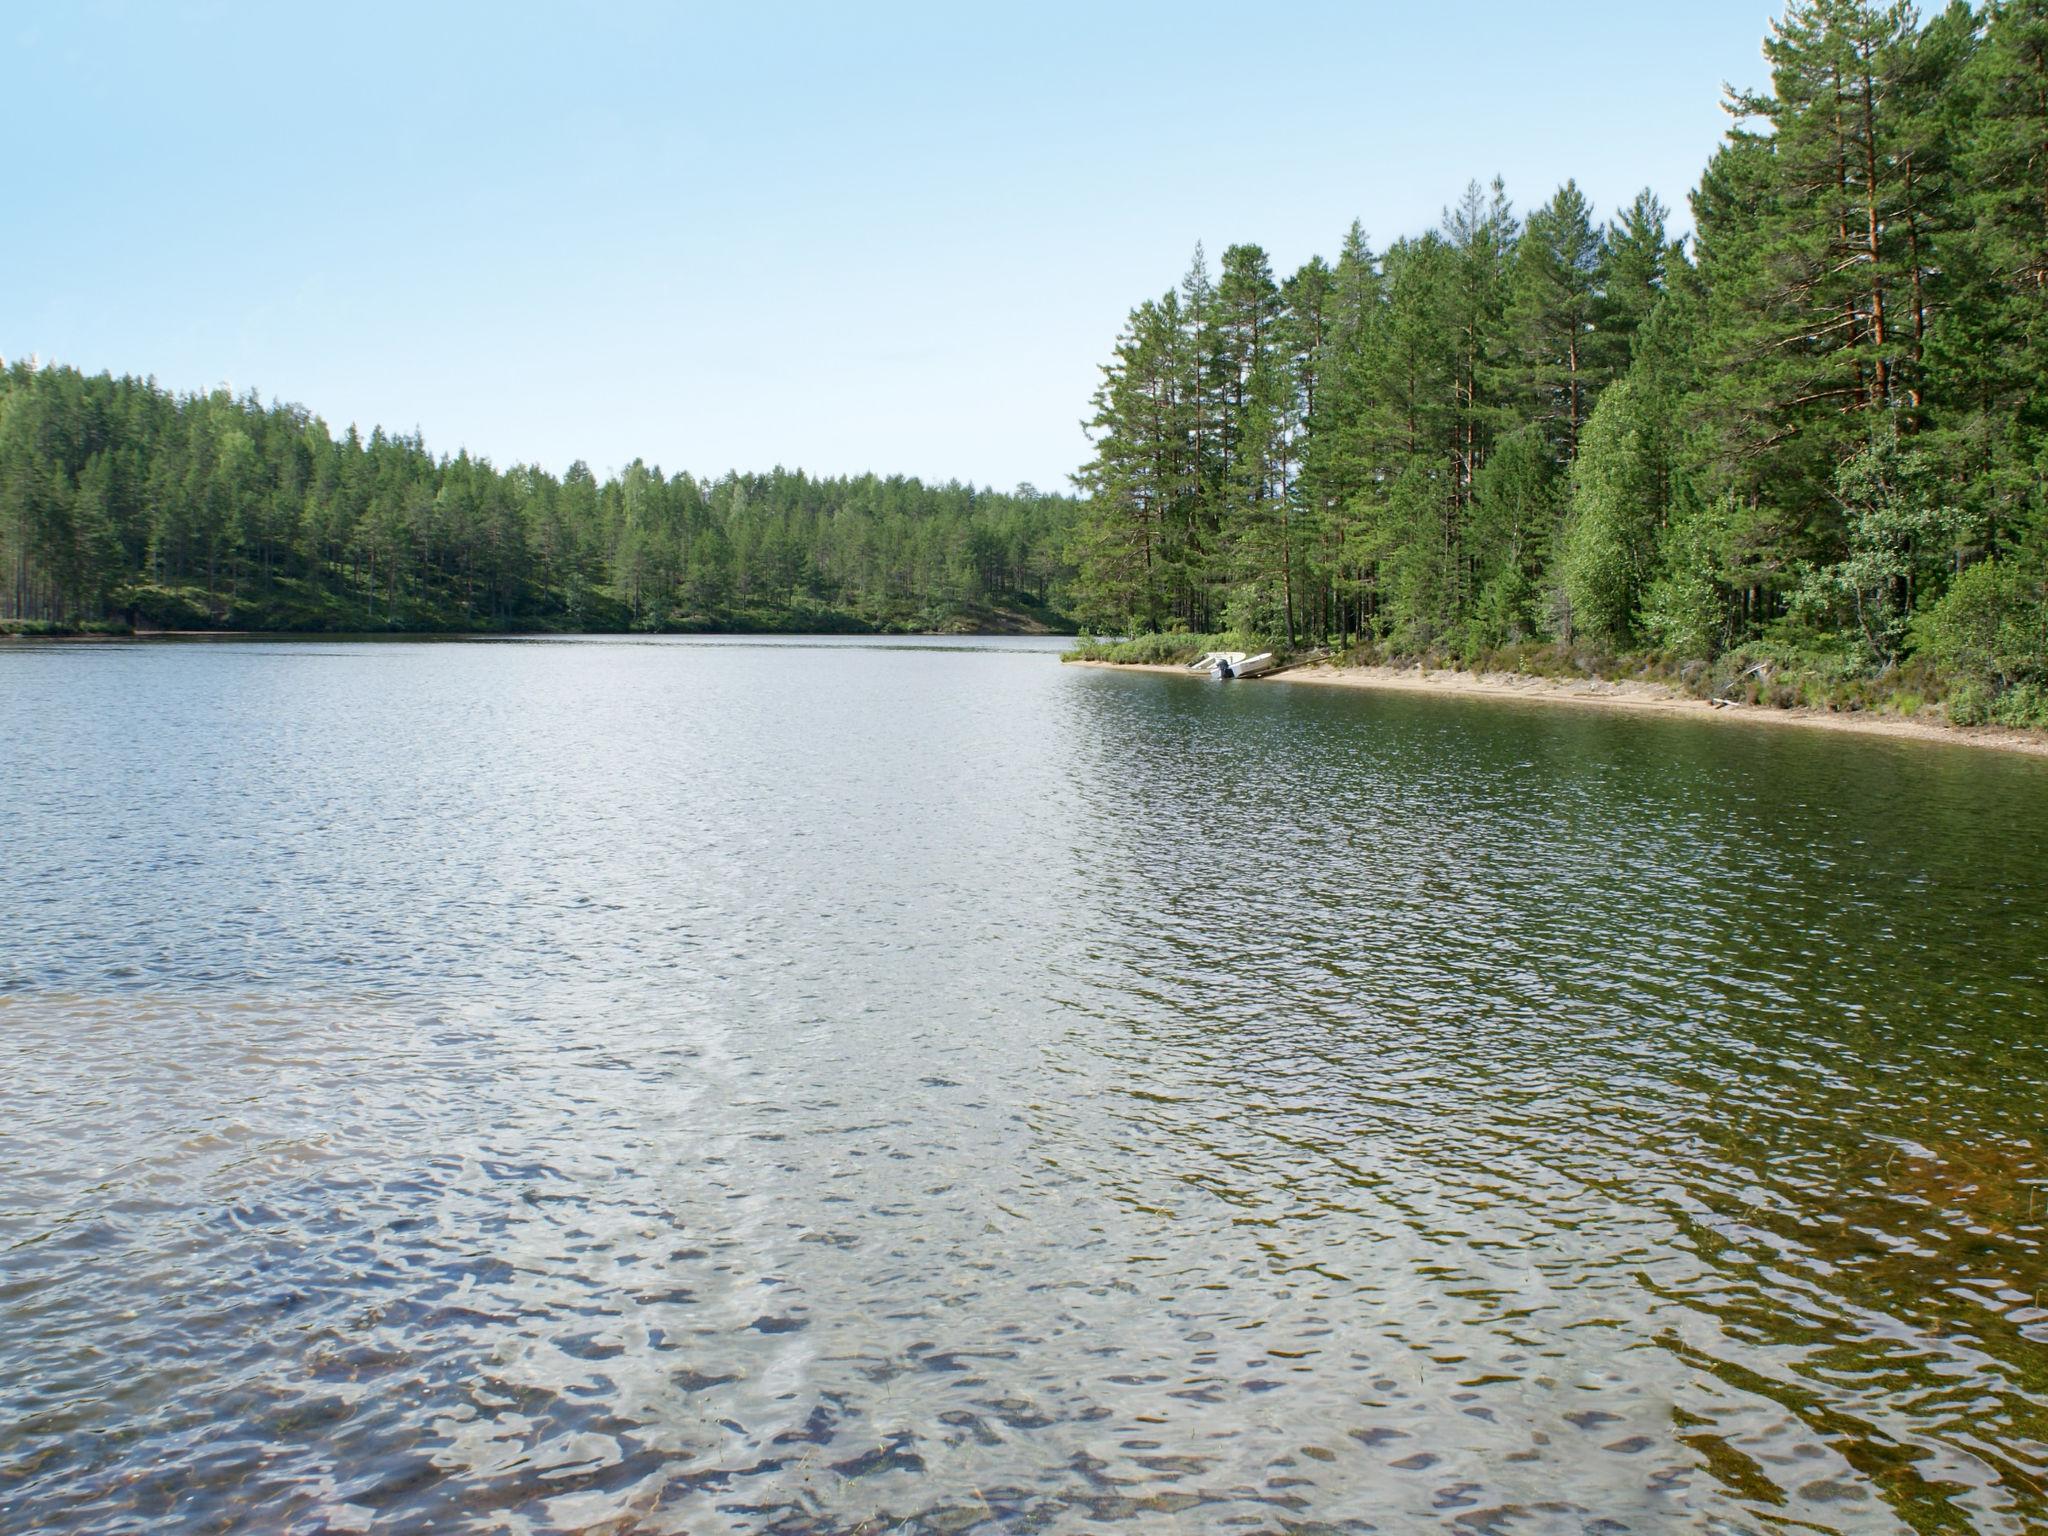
(122, 504)
(1808, 440)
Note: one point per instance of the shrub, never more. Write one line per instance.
(1989, 636)
(1162, 650)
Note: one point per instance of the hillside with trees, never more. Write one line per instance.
(1812, 438)
(122, 503)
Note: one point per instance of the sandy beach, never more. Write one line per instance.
(1642, 697)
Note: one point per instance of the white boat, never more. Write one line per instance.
(1225, 665)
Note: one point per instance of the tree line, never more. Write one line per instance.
(121, 501)
(1816, 430)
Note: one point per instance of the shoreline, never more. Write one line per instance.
(1637, 697)
(98, 636)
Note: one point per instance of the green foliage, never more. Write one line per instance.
(1173, 650)
(120, 500)
(1900, 535)
(1515, 502)
(1685, 609)
(160, 607)
(1563, 355)
(1610, 537)
(1526, 437)
(1989, 635)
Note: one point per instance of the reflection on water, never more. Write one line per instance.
(694, 1086)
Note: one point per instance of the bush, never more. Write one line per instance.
(1163, 650)
(1988, 636)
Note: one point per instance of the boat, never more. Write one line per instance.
(1225, 665)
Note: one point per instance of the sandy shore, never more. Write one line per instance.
(1641, 697)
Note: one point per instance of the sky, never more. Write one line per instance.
(835, 237)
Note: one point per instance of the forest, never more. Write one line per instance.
(1808, 440)
(124, 505)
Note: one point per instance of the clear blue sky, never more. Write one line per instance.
(842, 237)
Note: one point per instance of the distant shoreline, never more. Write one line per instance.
(96, 637)
(1639, 697)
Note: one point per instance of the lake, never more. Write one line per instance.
(791, 1086)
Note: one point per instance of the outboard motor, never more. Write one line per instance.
(1224, 671)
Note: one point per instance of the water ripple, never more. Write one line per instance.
(697, 1087)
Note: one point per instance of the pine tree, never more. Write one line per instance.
(1339, 466)
(1122, 551)
(1989, 344)
(1509, 536)
(1555, 317)
(1636, 259)
(1307, 311)
(1251, 387)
